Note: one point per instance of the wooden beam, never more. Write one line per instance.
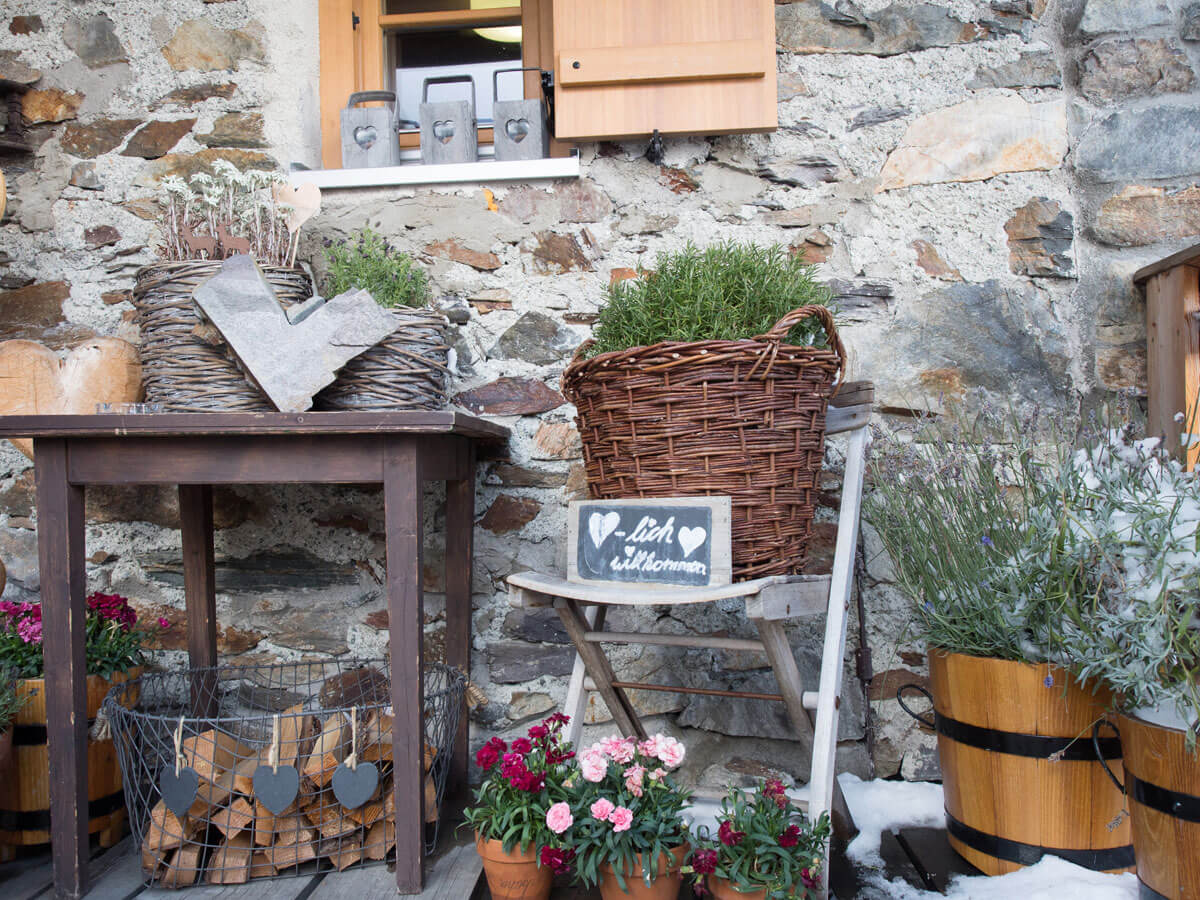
(673, 640)
(200, 591)
(452, 18)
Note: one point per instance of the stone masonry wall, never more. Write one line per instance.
(978, 180)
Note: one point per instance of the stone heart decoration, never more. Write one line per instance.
(290, 362)
(178, 790)
(34, 381)
(516, 129)
(601, 526)
(366, 136)
(443, 130)
(305, 202)
(354, 787)
(691, 538)
(276, 789)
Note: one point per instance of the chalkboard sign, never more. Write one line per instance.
(678, 541)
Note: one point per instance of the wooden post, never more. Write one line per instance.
(64, 581)
(200, 592)
(460, 533)
(1173, 354)
(402, 495)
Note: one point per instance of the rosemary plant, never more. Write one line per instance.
(366, 260)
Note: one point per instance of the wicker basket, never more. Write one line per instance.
(740, 418)
(181, 370)
(405, 371)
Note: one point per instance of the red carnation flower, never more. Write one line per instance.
(704, 862)
(537, 732)
(486, 757)
(558, 861)
(522, 746)
(791, 837)
(729, 837)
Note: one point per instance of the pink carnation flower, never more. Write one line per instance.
(634, 776)
(559, 818)
(670, 751)
(602, 809)
(619, 749)
(593, 765)
(621, 818)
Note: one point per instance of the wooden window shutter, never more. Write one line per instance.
(623, 68)
(351, 45)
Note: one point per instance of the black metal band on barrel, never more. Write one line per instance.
(1145, 892)
(39, 819)
(1027, 854)
(1035, 746)
(1172, 803)
(34, 735)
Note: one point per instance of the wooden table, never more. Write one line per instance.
(399, 450)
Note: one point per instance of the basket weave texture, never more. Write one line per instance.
(407, 370)
(740, 418)
(180, 369)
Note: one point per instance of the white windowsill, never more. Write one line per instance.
(417, 174)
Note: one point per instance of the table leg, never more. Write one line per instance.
(402, 495)
(64, 582)
(460, 533)
(200, 592)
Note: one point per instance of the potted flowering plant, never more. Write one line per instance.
(115, 651)
(629, 833)
(521, 814)
(766, 848)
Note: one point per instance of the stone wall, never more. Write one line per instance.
(978, 180)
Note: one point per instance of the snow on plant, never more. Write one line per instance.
(626, 804)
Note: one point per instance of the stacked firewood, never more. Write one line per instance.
(228, 836)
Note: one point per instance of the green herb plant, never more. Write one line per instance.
(728, 291)
(367, 261)
(10, 701)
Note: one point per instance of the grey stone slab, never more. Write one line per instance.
(1135, 144)
(1102, 16)
(291, 363)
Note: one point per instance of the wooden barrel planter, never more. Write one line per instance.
(25, 792)
(1019, 768)
(1162, 786)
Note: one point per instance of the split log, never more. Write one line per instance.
(344, 851)
(330, 749)
(165, 831)
(230, 864)
(364, 686)
(381, 838)
(153, 860)
(286, 856)
(235, 817)
(213, 753)
(184, 867)
(328, 816)
(261, 865)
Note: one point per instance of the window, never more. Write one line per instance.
(622, 68)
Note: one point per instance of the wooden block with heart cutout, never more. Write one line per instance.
(35, 381)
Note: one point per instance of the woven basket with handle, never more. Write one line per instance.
(741, 418)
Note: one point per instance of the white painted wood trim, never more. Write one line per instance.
(575, 705)
(637, 594)
(846, 418)
(454, 173)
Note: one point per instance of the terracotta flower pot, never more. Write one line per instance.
(724, 890)
(515, 875)
(666, 883)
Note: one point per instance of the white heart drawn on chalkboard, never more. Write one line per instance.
(601, 526)
(691, 538)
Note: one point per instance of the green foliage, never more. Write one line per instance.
(10, 702)
(764, 843)
(369, 262)
(728, 291)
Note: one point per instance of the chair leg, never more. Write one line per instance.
(575, 705)
(599, 668)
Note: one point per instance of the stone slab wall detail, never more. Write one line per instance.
(976, 178)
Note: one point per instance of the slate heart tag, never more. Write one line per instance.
(354, 787)
(178, 790)
(276, 789)
(516, 129)
(601, 526)
(443, 130)
(691, 538)
(366, 136)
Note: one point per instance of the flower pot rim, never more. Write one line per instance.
(495, 850)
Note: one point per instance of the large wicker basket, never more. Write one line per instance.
(180, 369)
(407, 370)
(740, 418)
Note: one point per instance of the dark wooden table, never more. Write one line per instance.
(195, 451)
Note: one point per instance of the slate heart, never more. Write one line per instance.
(354, 787)
(290, 362)
(178, 791)
(366, 136)
(276, 789)
(305, 202)
(34, 381)
(516, 129)
(601, 526)
(443, 130)
(691, 538)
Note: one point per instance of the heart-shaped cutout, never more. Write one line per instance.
(366, 136)
(516, 129)
(276, 789)
(691, 538)
(34, 381)
(443, 130)
(600, 526)
(178, 791)
(305, 202)
(354, 787)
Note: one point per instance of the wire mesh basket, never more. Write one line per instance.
(240, 772)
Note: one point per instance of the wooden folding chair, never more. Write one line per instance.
(770, 603)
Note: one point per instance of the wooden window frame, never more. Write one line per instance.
(356, 58)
